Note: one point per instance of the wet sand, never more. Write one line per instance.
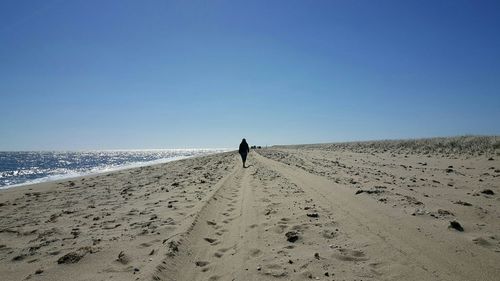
(296, 213)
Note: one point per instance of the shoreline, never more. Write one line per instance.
(63, 177)
(59, 178)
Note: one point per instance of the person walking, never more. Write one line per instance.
(244, 150)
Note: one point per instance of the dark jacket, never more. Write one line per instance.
(244, 149)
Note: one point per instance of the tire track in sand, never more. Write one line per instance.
(397, 244)
(213, 248)
(241, 235)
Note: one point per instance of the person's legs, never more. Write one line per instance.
(244, 158)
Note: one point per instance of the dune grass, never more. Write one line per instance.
(469, 145)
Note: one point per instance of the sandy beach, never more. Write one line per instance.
(368, 211)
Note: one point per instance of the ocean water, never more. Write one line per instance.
(26, 167)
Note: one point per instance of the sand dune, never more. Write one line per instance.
(297, 213)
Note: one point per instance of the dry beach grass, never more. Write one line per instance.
(463, 145)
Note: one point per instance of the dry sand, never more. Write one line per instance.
(315, 212)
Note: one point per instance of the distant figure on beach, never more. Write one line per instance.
(244, 150)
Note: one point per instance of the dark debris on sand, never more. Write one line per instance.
(459, 202)
(74, 257)
(487, 192)
(292, 236)
(456, 225)
(368, 191)
(313, 215)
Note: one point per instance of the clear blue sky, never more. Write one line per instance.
(170, 74)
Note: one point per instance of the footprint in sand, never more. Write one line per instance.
(218, 254)
(279, 228)
(375, 267)
(275, 270)
(282, 222)
(482, 241)
(255, 252)
(145, 245)
(328, 233)
(223, 250)
(201, 263)
(350, 255)
(210, 240)
(300, 227)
